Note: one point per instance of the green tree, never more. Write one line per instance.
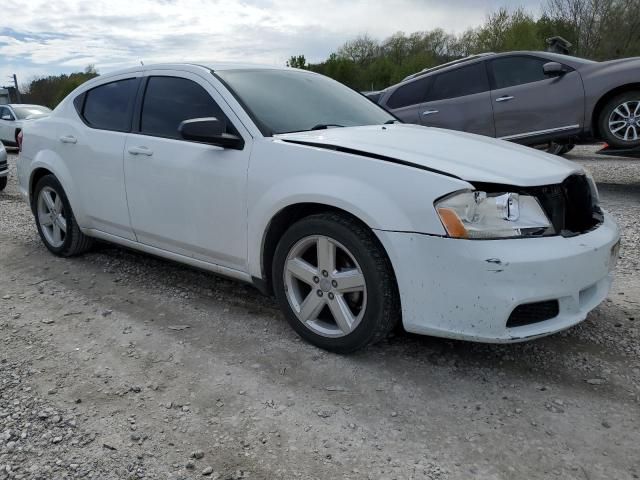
(51, 90)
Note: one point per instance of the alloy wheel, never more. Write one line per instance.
(325, 286)
(624, 121)
(51, 217)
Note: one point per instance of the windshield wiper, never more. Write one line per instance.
(389, 122)
(324, 126)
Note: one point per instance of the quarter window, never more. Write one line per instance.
(511, 71)
(109, 106)
(410, 94)
(459, 82)
(168, 101)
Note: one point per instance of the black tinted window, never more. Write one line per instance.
(409, 94)
(168, 101)
(511, 71)
(459, 82)
(109, 106)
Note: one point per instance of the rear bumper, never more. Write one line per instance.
(467, 289)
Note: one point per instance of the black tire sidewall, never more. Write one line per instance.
(375, 283)
(611, 105)
(52, 182)
(3, 183)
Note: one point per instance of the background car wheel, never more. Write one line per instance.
(3, 183)
(55, 221)
(559, 148)
(335, 283)
(620, 120)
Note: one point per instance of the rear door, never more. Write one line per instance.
(92, 146)
(460, 99)
(528, 104)
(7, 126)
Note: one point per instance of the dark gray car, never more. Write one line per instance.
(527, 97)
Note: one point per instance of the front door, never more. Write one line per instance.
(528, 104)
(185, 197)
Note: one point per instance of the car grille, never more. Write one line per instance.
(529, 313)
(569, 205)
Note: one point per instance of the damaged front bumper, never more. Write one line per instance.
(469, 289)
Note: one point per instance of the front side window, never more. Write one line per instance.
(109, 106)
(168, 101)
(512, 71)
(4, 111)
(460, 82)
(412, 93)
(282, 101)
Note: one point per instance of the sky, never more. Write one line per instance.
(45, 37)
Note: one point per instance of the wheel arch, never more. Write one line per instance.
(279, 224)
(597, 110)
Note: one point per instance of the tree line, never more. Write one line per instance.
(49, 91)
(597, 29)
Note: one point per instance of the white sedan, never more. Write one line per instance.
(14, 116)
(293, 182)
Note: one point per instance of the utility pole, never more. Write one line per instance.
(15, 83)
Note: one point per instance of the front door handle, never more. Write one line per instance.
(505, 98)
(140, 151)
(68, 139)
(429, 112)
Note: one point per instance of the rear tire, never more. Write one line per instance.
(350, 292)
(56, 223)
(3, 183)
(619, 120)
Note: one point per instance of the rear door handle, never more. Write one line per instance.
(140, 151)
(68, 139)
(504, 98)
(429, 112)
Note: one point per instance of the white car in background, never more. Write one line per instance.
(4, 167)
(293, 182)
(13, 117)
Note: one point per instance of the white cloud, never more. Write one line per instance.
(64, 35)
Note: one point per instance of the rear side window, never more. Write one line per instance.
(168, 101)
(410, 94)
(109, 106)
(511, 71)
(459, 82)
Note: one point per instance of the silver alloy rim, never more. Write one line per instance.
(624, 121)
(51, 217)
(325, 286)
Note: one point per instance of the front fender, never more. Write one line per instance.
(383, 195)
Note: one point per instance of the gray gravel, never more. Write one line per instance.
(119, 365)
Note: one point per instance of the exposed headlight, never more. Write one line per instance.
(481, 215)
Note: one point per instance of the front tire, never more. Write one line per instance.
(619, 120)
(335, 283)
(3, 183)
(56, 223)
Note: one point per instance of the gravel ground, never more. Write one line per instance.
(118, 365)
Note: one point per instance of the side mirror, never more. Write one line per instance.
(554, 69)
(210, 130)
(7, 117)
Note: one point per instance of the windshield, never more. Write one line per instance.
(283, 101)
(27, 111)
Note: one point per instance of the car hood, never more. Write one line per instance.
(473, 158)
